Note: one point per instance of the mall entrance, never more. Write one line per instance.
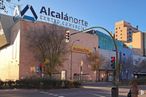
(105, 75)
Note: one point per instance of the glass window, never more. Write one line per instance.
(130, 32)
(105, 42)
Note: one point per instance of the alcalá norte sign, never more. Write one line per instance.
(55, 17)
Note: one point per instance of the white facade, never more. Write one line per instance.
(9, 58)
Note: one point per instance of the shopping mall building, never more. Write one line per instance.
(17, 61)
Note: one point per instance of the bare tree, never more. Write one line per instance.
(95, 60)
(49, 47)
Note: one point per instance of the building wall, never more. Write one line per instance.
(9, 58)
(144, 43)
(6, 23)
(120, 31)
(124, 30)
(3, 40)
(87, 43)
(28, 61)
(138, 59)
(137, 43)
(26, 55)
(107, 58)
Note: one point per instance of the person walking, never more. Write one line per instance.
(134, 88)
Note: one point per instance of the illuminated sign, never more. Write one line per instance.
(79, 49)
(54, 17)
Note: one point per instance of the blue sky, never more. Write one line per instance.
(97, 12)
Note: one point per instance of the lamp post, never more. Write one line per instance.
(71, 58)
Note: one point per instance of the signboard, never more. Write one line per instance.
(80, 49)
(46, 14)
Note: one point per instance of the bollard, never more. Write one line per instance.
(114, 91)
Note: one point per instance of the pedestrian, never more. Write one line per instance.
(129, 93)
(134, 88)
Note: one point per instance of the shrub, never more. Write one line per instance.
(1, 84)
(41, 83)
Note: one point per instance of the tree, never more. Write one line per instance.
(95, 60)
(49, 47)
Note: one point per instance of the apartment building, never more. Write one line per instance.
(131, 37)
(124, 31)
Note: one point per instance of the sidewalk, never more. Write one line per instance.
(98, 84)
(108, 86)
(105, 86)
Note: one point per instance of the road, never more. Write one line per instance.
(86, 91)
(79, 92)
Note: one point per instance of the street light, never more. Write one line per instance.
(71, 58)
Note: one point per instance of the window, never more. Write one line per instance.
(130, 29)
(130, 32)
(130, 35)
(130, 39)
